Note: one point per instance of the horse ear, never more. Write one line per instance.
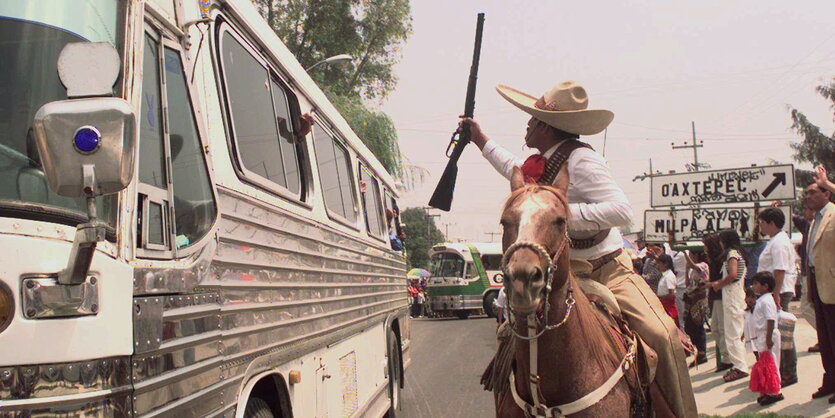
(561, 182)
(517, 179)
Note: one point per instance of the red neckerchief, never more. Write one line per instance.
(533, 168)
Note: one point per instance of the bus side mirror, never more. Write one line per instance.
(94, 132)
(87, 143)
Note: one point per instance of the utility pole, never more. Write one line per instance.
(492, 234)
(696, 145)
(446, 227)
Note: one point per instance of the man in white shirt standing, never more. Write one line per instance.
(680, 267)
(597, 208)
(778, 258)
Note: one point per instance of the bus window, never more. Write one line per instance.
(447, 265)
(492, 261)
(374, 217)
(334, 174)
(194, 205)
(261, 120)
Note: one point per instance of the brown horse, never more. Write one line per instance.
(577, 352)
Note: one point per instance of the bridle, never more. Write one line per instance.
(538, 408)
(550, 271)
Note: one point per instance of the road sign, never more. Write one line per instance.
(693, 224)
(735, 185)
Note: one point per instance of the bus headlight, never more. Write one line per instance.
(6, 306)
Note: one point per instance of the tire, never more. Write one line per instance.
(489, 305)
(462, 314)
(258, 408)
(394, 360)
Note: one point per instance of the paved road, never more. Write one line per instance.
(448, 357)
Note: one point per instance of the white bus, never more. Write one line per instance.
(224, 265)
(466, 278)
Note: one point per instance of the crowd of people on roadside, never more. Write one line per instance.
(744, 296)
(417, 297)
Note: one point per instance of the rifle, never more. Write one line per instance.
(442, 197)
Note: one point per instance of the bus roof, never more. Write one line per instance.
(462, 247)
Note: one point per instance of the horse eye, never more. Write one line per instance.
(560, 221)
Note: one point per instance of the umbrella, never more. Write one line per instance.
(418, 273)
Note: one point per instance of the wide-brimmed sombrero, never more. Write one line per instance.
(564, 106)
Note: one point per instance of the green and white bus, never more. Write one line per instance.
(466, 278)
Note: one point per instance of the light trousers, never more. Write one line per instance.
(717, 325)
(680, 305)
(733, 307)
(644, 313)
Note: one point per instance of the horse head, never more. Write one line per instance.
(535, 222)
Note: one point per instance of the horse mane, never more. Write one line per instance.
(531, 189)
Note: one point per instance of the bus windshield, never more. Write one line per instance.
(447, 265)
(33, 33)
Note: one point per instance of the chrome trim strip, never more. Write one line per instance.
(75, 398)
(349, 327)
(230, 240)
(178, 374)
(272, 305)
(177, 407)
(256, 328)
(215, 285)
(224, 260)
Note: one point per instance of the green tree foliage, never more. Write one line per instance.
(816, 147)
(421, 235)
(371, 31)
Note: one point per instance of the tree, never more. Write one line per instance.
(421, 235)
(371, 31)
(816, 147)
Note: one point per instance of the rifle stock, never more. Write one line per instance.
(442, 197)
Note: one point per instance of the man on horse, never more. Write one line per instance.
(597, 207)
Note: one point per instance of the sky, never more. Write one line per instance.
(732, 67)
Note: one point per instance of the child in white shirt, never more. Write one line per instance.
(765, 376)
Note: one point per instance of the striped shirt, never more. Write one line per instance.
(741, 269)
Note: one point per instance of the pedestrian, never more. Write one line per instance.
(421, 302)
(501, 306)
(650, 271)
(598, 207)
(733, 303)
(695, 304)
(680, 269)
(778, 258)
(807, 308)
(821, 266)
(713, 250)
(414, 294)
(667, 286)
(765, 375)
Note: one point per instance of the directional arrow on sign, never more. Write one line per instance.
(779, 179)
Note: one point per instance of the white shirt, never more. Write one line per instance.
(779, 254)
(595, 200)
(666, 283)
(501, 302)
(765, 310)
(680, 266)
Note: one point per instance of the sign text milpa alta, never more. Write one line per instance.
(735, 185)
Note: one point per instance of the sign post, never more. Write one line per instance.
(692, 224)
(735, 185)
